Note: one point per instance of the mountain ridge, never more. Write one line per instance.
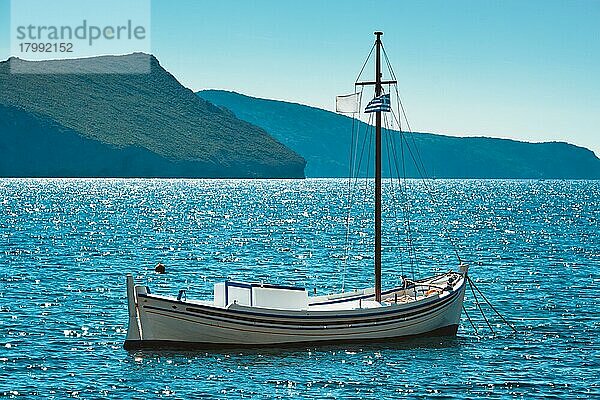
(315, 133)
(184, 134)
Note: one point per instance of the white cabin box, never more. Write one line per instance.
(260, 295)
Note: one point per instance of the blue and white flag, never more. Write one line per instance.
(381, 103)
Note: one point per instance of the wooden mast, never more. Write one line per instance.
(378, 92)
(378, 170)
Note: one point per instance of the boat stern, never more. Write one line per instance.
(134, 331)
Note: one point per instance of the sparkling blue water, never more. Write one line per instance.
(66, 245)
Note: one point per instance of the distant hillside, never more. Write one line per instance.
(36, 146)
(323, 139)
(138, 125)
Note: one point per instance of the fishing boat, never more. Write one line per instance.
(243, 314)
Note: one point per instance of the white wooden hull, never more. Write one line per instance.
(159, 322)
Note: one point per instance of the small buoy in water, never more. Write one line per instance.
(160, 268)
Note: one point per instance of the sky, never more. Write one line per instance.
(526, 70)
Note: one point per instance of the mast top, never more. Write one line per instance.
(374, 83)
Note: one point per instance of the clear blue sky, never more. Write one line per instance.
(528, 70)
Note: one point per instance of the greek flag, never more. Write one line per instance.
(381, 103)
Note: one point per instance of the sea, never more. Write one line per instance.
(66, 245)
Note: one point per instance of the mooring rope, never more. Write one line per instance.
(470, 320)
(479, 306)
(490, 304)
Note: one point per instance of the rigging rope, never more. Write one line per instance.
(393, 191)
(407, 212)
(402, 182)
(418, 161)
(415, 155)
(355, 172)
(365, 63)
(349, 203)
